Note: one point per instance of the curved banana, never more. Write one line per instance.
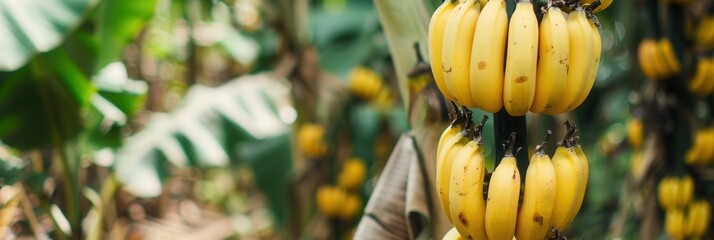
(674, 223)
(695, 155)
(645, 56)
(603, 4)
(686, 191)
(581, 55)
(662, 193)
(666, 51)
(704, 209)
(595, 65)
(456, 52)
(553, 53)
(453, 142)
(502, 202)
(521, 60)
(453, 235)
(487, 56)
(692, 217)
(538, 197)
(567, 172)
(635, 132)
(583, 180)
(708, 85)
(466, 191)
(704, 36)
(437, 25)
(673, 190)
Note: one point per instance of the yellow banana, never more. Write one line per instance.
(673, 190)
(698, 81)
(708, 85)
(705, 32)
(645, 56)
(437, 25)
(658, 61)
(581, 55)
(666, 51)
(708, 152)
(674, 223)
(521, 60)
(453, 235)
(692, 217)
(583, 180)
(458, 40)
(567, 168)
(695, 154)
(702, 226)
(662, 193)
(595, 65)
(487, 56)
(603, 4)
(553, 53)
(446, 152)
(502, 202)
(686, 191)
(635, 132)
(536, 210)
(466, 192)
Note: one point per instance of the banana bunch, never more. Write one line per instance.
(685, 217)
(365, 83)
(701, 151)
(704, 33)
(337, 202)
(675, 193)
(352, 175)
(657, 59)
(311, 140)
(635, 132)
(702, 83)
(552, 193)
(549, 67)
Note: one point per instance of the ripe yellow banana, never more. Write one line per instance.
(553, 53)
(583, 180)
(695, 155)
(686, 191)
(536, 210)
(705, 32)
(702, 226)
(698, 81)
(662, 193)
(692, 217)
(521, 60)
(673, 191)
(502, 202)
(674, 223)
(581, 56)
(487, 56)
(568, 172)
(603, 4)
(453, 235)
(458, 40)
(466, 191)
(437, 25)
(635, 132)
(595, 65)
(645, 57)
(708, 85)
(666, 51)
(453, 141)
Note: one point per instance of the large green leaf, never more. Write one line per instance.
(118, 22)
(40, 103)
(29, 27)
(204, 130)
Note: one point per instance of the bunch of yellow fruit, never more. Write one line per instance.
(685, 217)
(365, 83)
(702, 150)
(657, 59)
(311, 140)
(342, 201)
(481, 60)
(553, 192)
(702, 82)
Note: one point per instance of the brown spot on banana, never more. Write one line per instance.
(462, 219)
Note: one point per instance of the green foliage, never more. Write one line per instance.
(118, 22)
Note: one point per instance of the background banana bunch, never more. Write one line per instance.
(480, 59)
(342, 201)
(704, 33)
(685, 217)
(365, 83)
(702, 83)
(493, 206)
(310, 139)
(657, 59)
(701, 152)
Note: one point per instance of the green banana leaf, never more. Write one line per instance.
(29, 27)
(245, 121)
(118, 22)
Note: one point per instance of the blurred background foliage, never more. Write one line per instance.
(161, 118)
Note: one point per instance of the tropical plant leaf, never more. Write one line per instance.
(244, 121)
(29, 27)
(118, 22)
(404, 24)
